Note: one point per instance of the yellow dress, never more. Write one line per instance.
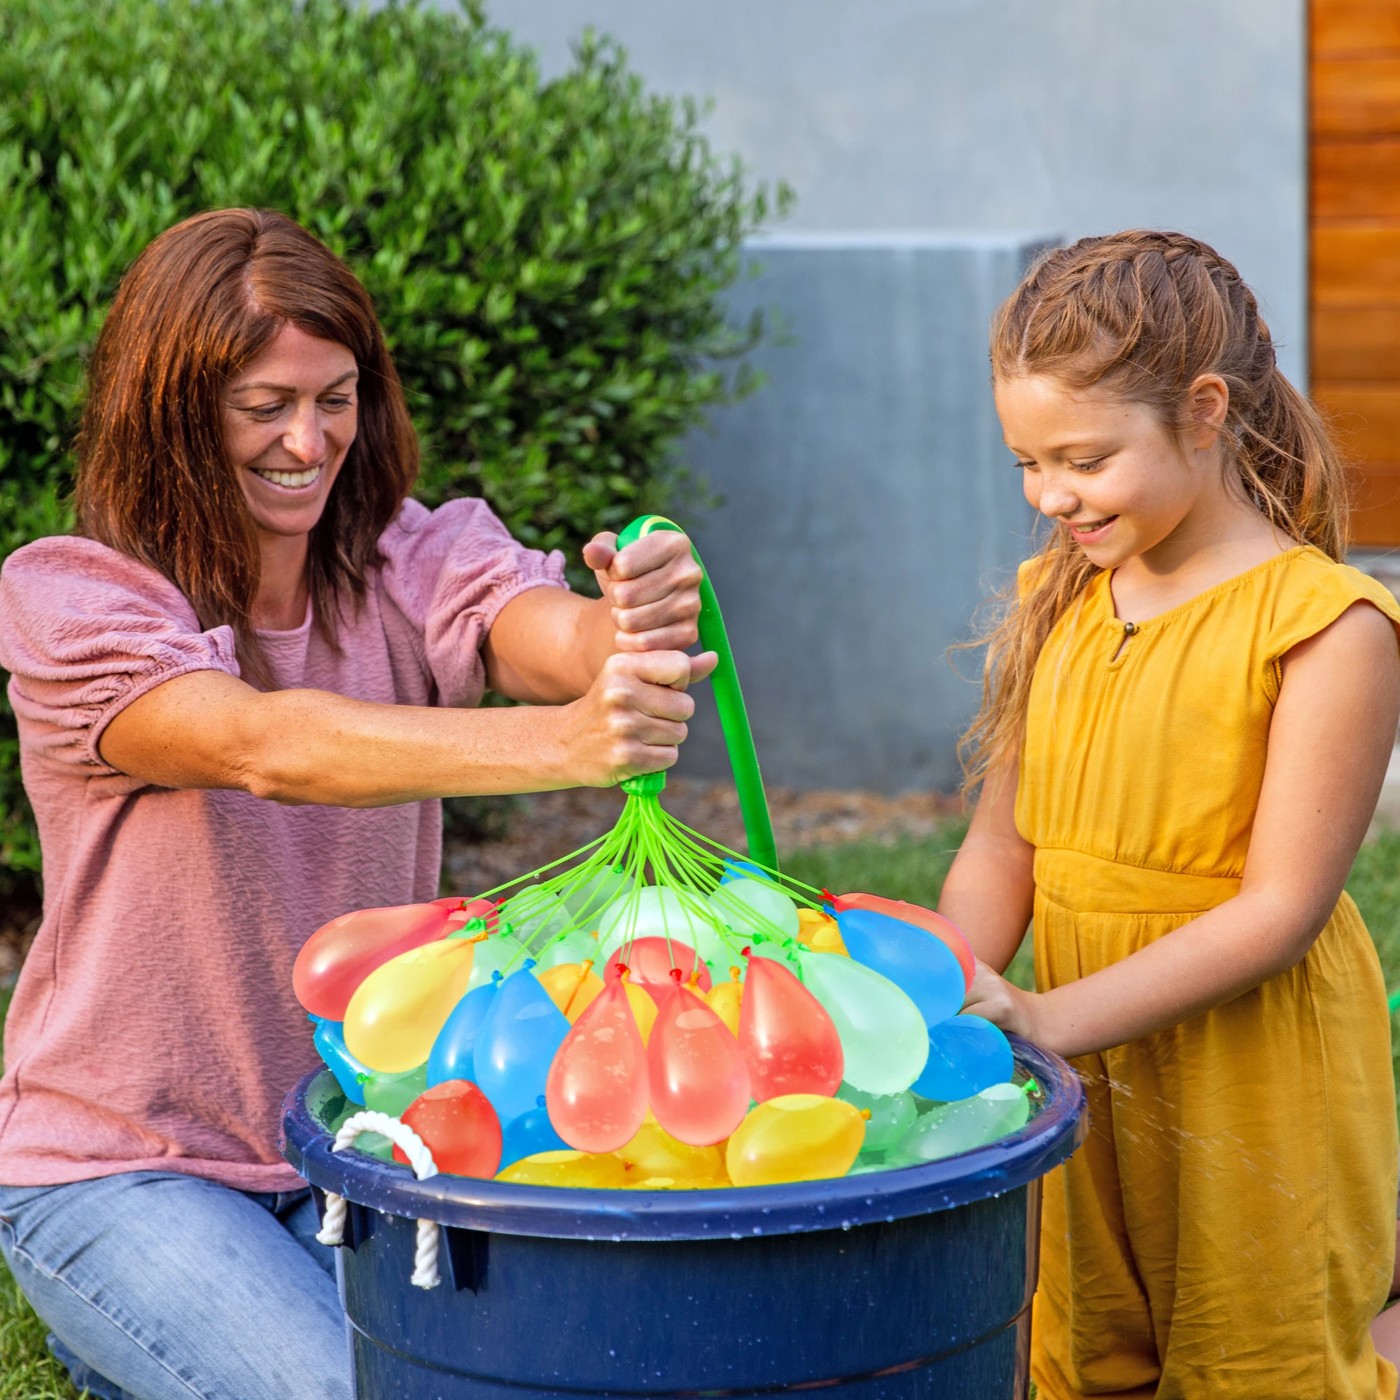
(1227, 1229)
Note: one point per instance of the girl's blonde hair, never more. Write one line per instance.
(1144, 314)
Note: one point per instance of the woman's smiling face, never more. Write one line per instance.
(289, 418)
(1107, 471)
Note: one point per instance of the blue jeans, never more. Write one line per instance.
(161, 1286)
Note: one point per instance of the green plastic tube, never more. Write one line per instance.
(729, 700)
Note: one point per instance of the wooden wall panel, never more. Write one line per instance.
(1356, 342)
(1354, 25)
(1354, 205)
(1356, 97)
(1355, 266)
(1375, 517)
(1356, 179)
(1365, 418)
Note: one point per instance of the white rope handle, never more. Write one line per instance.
(425, 1255)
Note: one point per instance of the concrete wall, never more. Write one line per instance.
(1080, 116)
(869, 505)
(868, 500)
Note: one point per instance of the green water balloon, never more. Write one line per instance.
(883, 1036)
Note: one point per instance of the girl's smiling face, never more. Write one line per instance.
(288, 420)
(1107, 471)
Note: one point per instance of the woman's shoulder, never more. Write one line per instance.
(63, 571)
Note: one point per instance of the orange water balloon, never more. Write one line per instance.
(458, 1126)
(597, 1088)
(699, 1085)
(650, 961)
(342, 953)
(788, 1041)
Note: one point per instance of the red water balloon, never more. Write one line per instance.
(341, 954)
(458, 1126)
(699, 1085)
(651, 961)
(944, 929)
(597, 1088)
(789, 1043)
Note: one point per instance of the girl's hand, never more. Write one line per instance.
(1003, 1004)
(652, 588)
(633, 717)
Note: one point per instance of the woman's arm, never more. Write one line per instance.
(616, 661)
(547, 646)
(208, 729)
(989, 890)
(1332, 734)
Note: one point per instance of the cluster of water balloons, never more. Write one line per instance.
(725, 1027)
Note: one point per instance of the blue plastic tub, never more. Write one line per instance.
(909, 1283)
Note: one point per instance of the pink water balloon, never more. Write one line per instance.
(597, 1088)
(699, 1085)
(789, 1043)
(342, 953)
(651, 961)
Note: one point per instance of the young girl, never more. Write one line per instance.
(241, 687)
(1187, 719)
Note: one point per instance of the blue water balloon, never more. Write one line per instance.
(452, 1052)
(530, 1133)
(516, 1044)
(966, 1054)
(350, 1073)
(922, 965)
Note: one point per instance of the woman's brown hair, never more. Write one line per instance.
(1143, 315)
(153, 479)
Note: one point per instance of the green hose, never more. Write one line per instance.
(729, 700)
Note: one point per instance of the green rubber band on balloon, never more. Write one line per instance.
(729, 700)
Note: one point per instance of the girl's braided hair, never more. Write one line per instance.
(1144, 314)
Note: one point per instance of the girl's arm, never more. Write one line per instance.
(989, 890)
(1332, 734)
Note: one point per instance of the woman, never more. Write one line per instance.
(242, 686)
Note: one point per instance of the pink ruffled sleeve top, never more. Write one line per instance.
(154, 1025)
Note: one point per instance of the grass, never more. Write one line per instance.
(911, 869)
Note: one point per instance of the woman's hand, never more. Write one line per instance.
(1004, 1004)
(652, 588)
(633, 717)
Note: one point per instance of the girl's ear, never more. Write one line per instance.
(1208, 401)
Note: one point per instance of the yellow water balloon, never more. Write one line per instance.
(819, 932)
(396, 1013)
(795, 1137)
(724, 999)
(593, 1169)
(653, 1152)
(571, 986)
(643, 1007)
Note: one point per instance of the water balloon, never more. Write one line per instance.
(458, 1126)
(883, 1036)
(455, 1043)
(927, 919)
(516, 1044)
(396, 1013)
(795, 1137)
(788, 1041)
(699, 1085)
(921, 966)
(966, 1054)
(973, 1122)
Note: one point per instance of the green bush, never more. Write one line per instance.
(546, 257)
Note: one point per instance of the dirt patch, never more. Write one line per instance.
(545, 826)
